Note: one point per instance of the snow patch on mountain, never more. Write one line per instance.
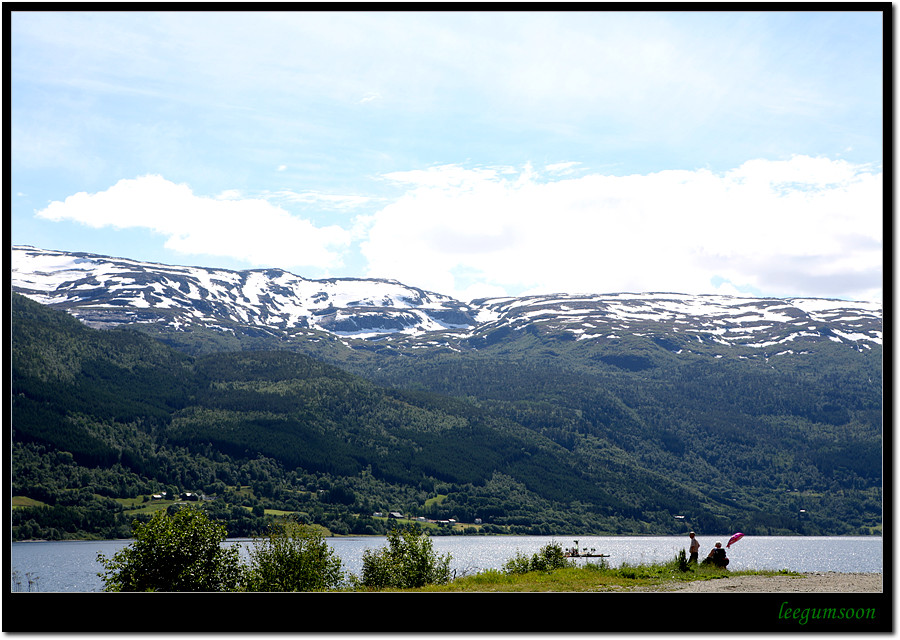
(105, 291)
(86, 284)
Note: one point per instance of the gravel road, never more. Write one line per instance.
(805, 583)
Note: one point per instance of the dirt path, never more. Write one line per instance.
(805, 583)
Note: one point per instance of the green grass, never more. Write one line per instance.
(438, 499)
(875, 531)
(22, 501)
(591, 577)
(137, 505)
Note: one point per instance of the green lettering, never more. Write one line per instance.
(802, 616)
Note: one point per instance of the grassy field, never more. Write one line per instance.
(438, 499)
(591, 577)
(22, 501)
(137, 505)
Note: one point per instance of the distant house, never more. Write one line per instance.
(377, 514)
(477, 520)
(157, 496)
(189, 496)
(395, 514)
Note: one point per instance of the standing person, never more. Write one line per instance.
(695, 548)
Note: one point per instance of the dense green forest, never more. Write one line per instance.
(530, 434)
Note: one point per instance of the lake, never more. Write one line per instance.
(71, 566)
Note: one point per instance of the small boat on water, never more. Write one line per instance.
(575, 552)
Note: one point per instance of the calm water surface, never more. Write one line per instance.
(72, 565)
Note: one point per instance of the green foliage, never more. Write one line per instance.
(682, 560)
(408, 561)
(178, 552)
(549, 558)
(293, 557)
(531, 435)
(519, 563)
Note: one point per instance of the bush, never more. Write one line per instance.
(549, 557)
(520, 563)
(174, 552)
(682, 561)
(293, 557)
(409, 561)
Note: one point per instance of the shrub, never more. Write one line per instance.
(293, 557)
(520, 563)
(549, 557)
(682, 560)
(174, 552)
(409, 561)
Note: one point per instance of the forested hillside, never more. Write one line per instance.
(529, 434)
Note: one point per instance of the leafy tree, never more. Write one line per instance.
(179, 552)
(407, 562)
(293, 557)
(549, 557)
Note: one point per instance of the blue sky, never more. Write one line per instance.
(469, 153)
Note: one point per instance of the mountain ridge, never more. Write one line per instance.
(104, 291)
(538, 414)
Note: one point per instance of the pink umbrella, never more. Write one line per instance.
(734, 539)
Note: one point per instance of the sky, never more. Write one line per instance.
(473, 154)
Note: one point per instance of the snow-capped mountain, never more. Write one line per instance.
(725, 320)
(107, 291)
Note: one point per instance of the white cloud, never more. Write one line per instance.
(797, 227)
(562, 167)
(803, 226)
(330, 200)
(252, 230)
(229, 194)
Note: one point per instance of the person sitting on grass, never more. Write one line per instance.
(717, 557)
